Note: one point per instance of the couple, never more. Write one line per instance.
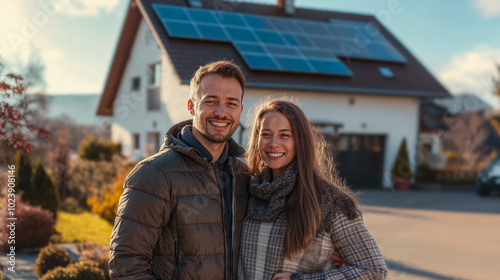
(196, 210)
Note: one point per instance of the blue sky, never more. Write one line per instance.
(457, 40)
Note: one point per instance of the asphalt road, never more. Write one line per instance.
(433, 235)
(436, 235)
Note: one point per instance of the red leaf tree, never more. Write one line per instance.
(16, 116)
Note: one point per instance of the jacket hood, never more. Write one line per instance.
(171, 141)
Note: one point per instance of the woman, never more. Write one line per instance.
(298, 213)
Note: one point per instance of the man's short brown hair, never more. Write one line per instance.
(223, 68)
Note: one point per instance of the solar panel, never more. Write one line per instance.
(294, 64)
(181, 29)
(230, 19)
(214, 32)
(171, 13)
(263, 62)
(240, 34)
(281, 44)
(202, 16)
(330, 67)
(269, 37)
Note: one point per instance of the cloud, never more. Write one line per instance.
(488, 8)
(86, 7)
(68, 74)
(472, 72)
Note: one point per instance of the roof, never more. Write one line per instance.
(463, 103)
(411, 79)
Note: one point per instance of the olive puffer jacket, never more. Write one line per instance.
(169, 223)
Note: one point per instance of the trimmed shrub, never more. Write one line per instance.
(70, 205)
(45, 193)
(93, 177)
(95, 253)
(93, 148)
(49, 258)
(76, 271)
(106, 205)
(24, 172)
(34, 226)
(38, 188)
(402, 168)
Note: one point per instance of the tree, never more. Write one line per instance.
(93, 148)
(24, 172)
(16, 116)
(402, 168)
(45, 193)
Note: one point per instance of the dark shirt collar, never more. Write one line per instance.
(186, 136)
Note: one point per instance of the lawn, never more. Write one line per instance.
(83, 227)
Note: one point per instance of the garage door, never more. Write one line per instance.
(360, 159)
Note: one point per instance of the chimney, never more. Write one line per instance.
(287, 6)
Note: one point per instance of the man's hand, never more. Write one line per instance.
(337, 258)
(282, 276)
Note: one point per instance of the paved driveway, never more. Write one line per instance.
(437, 235)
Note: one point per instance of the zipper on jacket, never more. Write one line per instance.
(221, 188)
(234, 220)
(176, 268)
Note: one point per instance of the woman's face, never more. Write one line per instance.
(276, 142)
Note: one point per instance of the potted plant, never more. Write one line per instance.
(401, 170)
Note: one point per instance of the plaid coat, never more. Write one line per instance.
(262, 252)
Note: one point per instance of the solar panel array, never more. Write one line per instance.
(279, 44)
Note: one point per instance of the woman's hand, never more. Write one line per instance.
(282, 276)
(337, 258)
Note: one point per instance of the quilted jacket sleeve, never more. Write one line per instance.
(144, 209)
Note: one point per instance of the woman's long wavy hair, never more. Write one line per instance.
(317, 185)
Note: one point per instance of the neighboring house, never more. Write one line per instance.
(432, 130)
(458, 130)
(351, 76)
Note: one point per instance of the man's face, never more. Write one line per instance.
(217, 109)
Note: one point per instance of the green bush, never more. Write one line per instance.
(24, 172)
(38, 188)
(45, 193)
(34, 226)
(49, 258)
(76, 271)
(93, 148)
(90, 177)
(402, 167)
(70, 205)
(97, 253)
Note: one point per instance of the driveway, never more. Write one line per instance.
(436, 235)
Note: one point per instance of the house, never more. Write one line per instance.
(432, 130)
(469, 140)
(351, 76)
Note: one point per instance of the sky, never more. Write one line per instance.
(457, 40)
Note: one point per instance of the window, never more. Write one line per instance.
(153, 142)
(135, 141)
(136, 83)
(153, 92)
(154, 99)
(386, 72)
(154, 75)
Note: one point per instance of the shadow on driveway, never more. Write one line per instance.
(404, 269)
(456, 201)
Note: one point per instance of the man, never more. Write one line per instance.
(181, 211)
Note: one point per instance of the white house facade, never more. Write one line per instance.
(148, 88)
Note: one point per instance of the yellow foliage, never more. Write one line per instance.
(107, 204)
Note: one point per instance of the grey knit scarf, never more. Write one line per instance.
(268, 197)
